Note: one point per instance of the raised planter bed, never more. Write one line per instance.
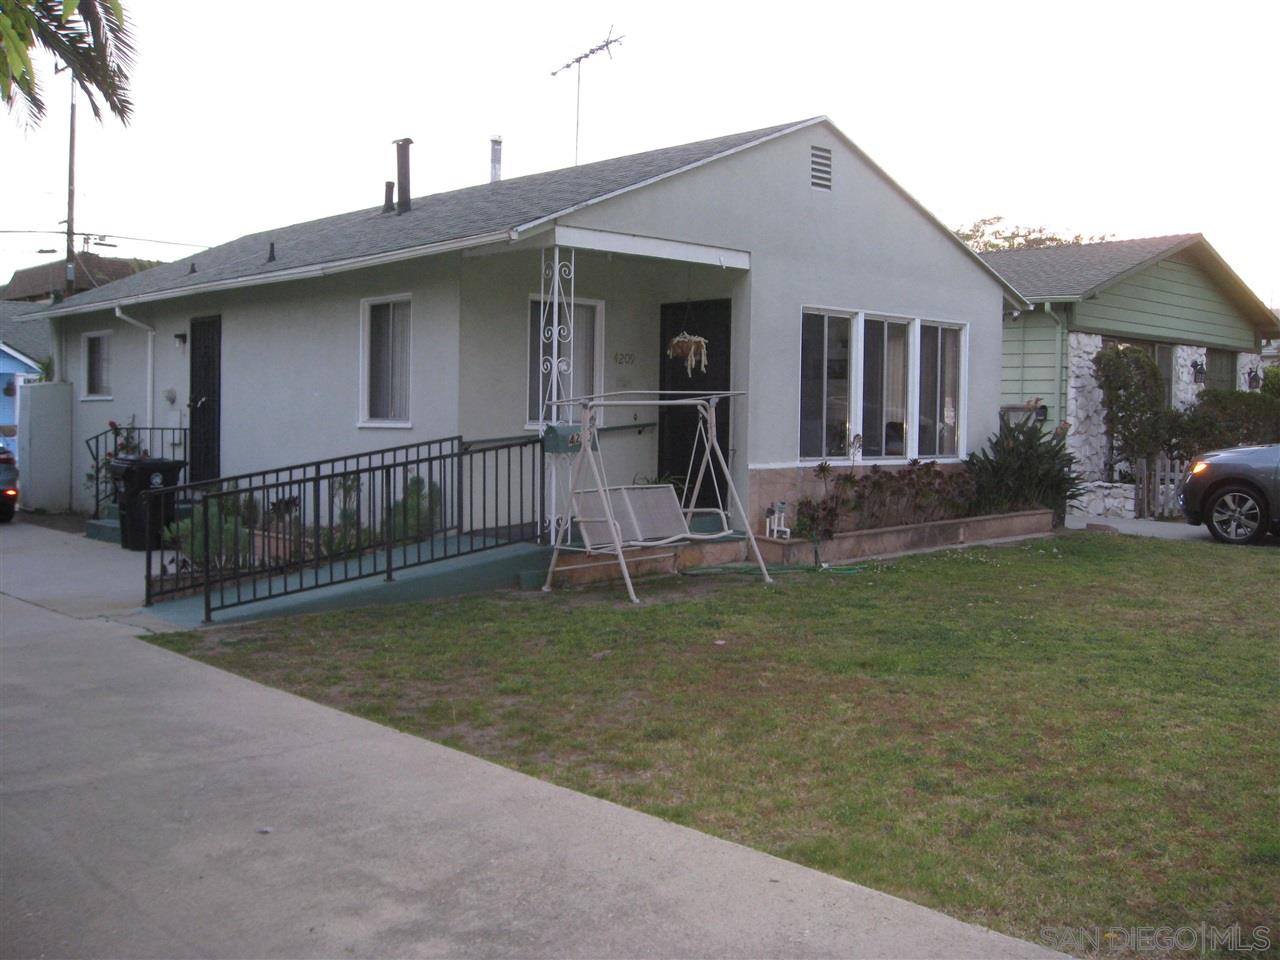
(858, 544)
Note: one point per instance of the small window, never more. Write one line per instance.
(939, 390)
(97, 365)
(577, 366)
(386, 343)
(820, 168)
(1220, 371)
(885, 372)
(825, 357)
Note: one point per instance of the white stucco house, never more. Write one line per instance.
(834, 299)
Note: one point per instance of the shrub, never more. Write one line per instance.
(917, 493)
(1271, 382)
(1224, 418)
(1024, 468)
(1133, 396)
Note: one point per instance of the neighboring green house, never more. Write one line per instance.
(1172, 296)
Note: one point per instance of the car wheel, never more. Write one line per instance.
(1237, 514)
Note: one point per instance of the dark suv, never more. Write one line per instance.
(1235, 492)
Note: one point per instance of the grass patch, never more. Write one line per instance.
(1073, 732)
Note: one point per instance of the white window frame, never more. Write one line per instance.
(363, 420)
(855, 377)
(913, 387)
(597, 360)
(85, 337)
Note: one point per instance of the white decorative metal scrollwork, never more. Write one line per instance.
(555, 366)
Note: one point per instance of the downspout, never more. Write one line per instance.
(151, 363)
(1062, 372)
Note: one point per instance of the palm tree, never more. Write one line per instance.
(91, 37)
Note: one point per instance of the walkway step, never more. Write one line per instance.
(105, 529)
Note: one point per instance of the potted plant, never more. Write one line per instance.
(689, 348)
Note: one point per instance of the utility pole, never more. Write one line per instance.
(604, 45)
(70, 286)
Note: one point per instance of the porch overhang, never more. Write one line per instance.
(609, 241)
(636, 245)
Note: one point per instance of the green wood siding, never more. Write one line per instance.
(1033, 362)
(1172, 301)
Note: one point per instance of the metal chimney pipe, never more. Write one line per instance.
(403, 200)
(389, 197)
(495, 159)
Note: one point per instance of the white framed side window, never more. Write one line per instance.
(898, 383)
(586, 355)
(385, 327)
(95, 365)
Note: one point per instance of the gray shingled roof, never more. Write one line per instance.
(1074, 270)
(456, 215)
(29, 337)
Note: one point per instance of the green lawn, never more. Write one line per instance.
(1081, 731)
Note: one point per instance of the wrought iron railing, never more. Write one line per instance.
(243, 539)
(168, 442)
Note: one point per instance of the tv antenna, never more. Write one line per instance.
(604, 45)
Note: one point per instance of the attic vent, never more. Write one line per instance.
(820, 168)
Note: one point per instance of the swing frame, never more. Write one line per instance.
(587, 456)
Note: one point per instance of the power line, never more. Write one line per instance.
(112, 236)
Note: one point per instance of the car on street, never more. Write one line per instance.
(1235, 492)
(8, 482)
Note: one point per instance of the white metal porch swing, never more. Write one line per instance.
(610, 520)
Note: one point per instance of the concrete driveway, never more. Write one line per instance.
(153, 806)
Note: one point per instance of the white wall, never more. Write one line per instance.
(494, 351)
(44, 447)
(859, 246)
(290, 367)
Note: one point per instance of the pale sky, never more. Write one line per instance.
(1127, 118)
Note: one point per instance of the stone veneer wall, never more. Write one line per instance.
(1185, 389)
(1244, 363)
(1102, 499)
(1087, 439)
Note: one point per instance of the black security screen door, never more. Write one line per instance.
(677, 426)
(205, 402)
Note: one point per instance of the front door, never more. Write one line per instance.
(677, 426)
(205, 402)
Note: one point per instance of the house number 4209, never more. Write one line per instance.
(624, 359)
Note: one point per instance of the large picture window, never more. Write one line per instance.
(582, 354)
(885, 375)
(386, 352)
(825, 366)
(897, 382)
(939, 391)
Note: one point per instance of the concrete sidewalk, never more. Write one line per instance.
(153, 806)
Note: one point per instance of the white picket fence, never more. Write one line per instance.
(1155, 488)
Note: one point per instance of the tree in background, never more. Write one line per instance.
(987, 234)
(92, 37)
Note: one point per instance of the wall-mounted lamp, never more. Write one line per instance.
(1198, 371)
(1042, 413)
(1255, 378)
(170, 396)
(181, 338)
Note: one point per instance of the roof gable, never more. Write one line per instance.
(459, 218)
(1080, 271)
